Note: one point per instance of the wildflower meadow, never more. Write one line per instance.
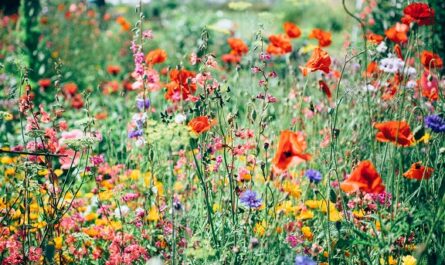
(222, 132)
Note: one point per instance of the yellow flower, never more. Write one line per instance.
(116, 225)
(135, 174)
(216, 207)
(359, 213)
(58, 172)
(391, 261)
(292, 188)
(153, 214)
(58, 242)
(105, 195)
(6, 160)
(260, 228)
(425, 139)
(43, 172)
(305, 214)
(335, 216)
(306, 230)
(286, 207)
(90, 217)
(178, 186)
(10, 171)
(409, 260)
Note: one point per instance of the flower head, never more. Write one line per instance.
(419, 172)
(249, 198)
(436, 123)
(397, 132)
(291, 148)
(319, 61)
(365, 178)
(304, 260)
(313, 175)
(421, 13)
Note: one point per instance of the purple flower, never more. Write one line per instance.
(135, 133)
(436, 123)
(313, 175)
(249, 199)
(304, 260)
(142, 104)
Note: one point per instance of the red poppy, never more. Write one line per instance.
(374, 38)
(324, 38)
(398, 33)
(181, 85)
(231, 58)
(319, 60)
(201, 124)
(373, 69)
(70, 89)
(431, 60)
(156, 56)
(125, 25)
(325, 88)
(291, 148)
(113, 69)
(292, 30)
(398, 51)
(421, 13)
(77, 101)
(430, 86)
(419, 172)
(238, 46)
(364, 178)
(397, 132)
(279, 44)
(44, 83)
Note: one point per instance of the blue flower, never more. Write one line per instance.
(249, 199)
(142, 104)
(435, 122)
(304, 260)
(313, 175)
(135, 133)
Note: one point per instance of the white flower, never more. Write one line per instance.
(124, 210)
(382, 47)
(411, 84)
(410, 71)
(180, 118)
(391, 65)
(369, 88)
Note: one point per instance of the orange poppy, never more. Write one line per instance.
(419, 172)
(292, 30)
(125, 25)
(397, 33)
(364, 178)
(397, 132)
(421, 13)
(238, 46)
(156, 56)
(431, 60)
(319, 60)
(373, 69)
(201, 124)
(291, 148)
(324, 37)
(279, 44)
(325, 88)
(180, 85)
(374, 38)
